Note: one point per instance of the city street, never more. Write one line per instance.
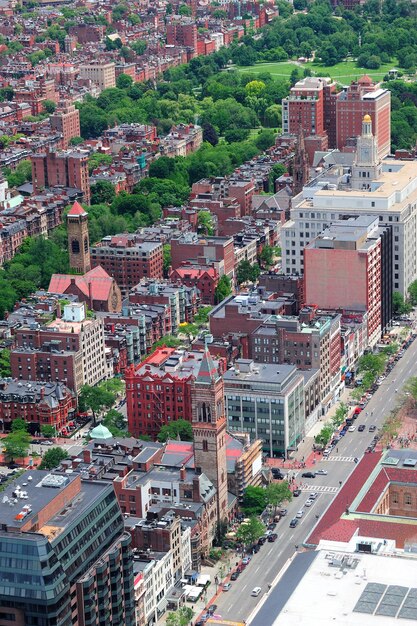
(237, 604)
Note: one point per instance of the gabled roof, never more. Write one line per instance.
(101, 283)
(77, 209)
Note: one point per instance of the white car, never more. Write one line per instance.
(300, 514)
(352, 428)
(256, 591)
(313, 495)
(309, 502)
(321, 472)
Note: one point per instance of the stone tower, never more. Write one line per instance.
(367, 166)
(209, 429)
(78, 240)
(300, 165)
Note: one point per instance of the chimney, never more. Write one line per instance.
(42, 393)
(58, 310)
(90, 295)
(87, 455)
(183, 473)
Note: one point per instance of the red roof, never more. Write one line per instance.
(77, 209)
(333, 527)
(100, 282)
(191, 272)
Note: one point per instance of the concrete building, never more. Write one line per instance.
(38, 403)
(127, 259)
(387, 190)
(102, 73)
(66, 120)
(76, 553)
(342, 269)
(69, 349)
(61, 169)
(266, 401)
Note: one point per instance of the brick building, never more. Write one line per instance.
(127, 259)
(216, 251)
(203, 278)
(66, 120)
(182, 33)
(96, 289)
(70, 349)
(342, 269)
(158, 390)
(38, 403)
(61, 169)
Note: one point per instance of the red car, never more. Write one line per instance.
(357, 410)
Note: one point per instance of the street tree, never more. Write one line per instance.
(412, 290)
(411, 388)
(247, 272)
(277, 493)
(179, 429)
(96, 399)
(167, 259)
(248, 533)
(180, 617)
(223, 289)
(18, 425)
(254, 500)
(47, 430)
(5, 367)
(52, 458)
(340, 415)
(16, 445)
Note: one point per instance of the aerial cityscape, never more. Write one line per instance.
(208, 312)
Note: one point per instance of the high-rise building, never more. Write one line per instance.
(65, 556)
(209, 429)
(366, 186)
(332, 118)
(101, 73)
(78, 239)
(61, 169)
(342, 270)
(66, 120)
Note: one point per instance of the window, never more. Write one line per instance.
(407, 499)
(395, 497)
(205, 445)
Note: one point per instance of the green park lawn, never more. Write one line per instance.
(341, 72)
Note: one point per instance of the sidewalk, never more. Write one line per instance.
(304, 452)
(222, 570)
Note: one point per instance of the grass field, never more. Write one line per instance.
(342, 72)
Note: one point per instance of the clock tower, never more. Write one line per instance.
(209, 429)
(367, 166)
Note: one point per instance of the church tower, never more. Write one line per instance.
(209, 429)
(300, 174)
(78, 240)
(367, 166)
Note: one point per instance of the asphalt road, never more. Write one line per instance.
(237, 604)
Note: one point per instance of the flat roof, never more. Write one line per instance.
(366, 590)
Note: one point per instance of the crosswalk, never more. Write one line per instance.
(347, 459)
(319, 488)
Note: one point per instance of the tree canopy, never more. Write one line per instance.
(52, 458)
(178, 429)
(254, 500)
(249, 532)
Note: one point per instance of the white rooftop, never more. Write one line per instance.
(382, 589)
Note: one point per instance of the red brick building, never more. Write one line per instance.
(205, 278)
(96, 288)
(127, 259)
(66, 120)
(182, 34)
(38, 403)
(61, 169)
(216, 251)
(158, 391)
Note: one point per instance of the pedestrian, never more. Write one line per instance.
(337, 449)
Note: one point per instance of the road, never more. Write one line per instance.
(237, 604)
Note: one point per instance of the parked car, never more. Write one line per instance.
(361, 427)
(272, 526)
(272, 537)
(261, 541)
(256, 591)
(246, 560)
(308, 475)
(226, 586)
(296, 493)
(352, 428)
(283, 512)
(321, 472)
(293, 522)
(235, 575)
(212, 609)
(372, 428)
(256, 548)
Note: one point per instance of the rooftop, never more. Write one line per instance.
(322, 588)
